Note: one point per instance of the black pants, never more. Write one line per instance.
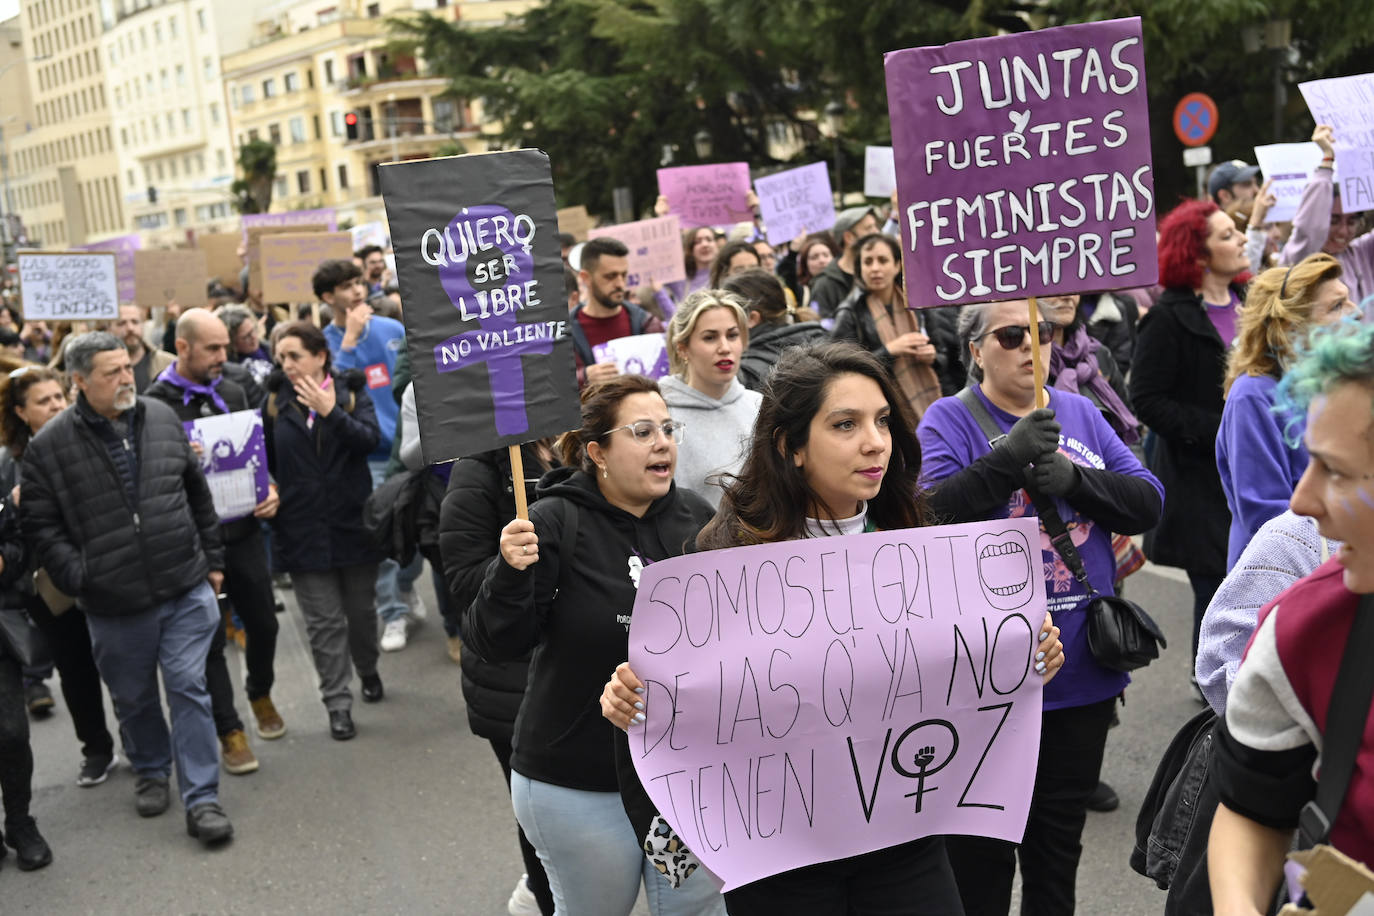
(249, 586)
(1205, 586)
(912, 879)
(534, 869)
(1071, 745)
(69, 641)
(16, 757)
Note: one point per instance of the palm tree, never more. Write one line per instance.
(258, 163)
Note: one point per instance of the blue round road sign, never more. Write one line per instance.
(1195, 119)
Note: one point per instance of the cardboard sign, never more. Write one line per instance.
(822, 698)
(255, 236)
(481, 274)
(233, 455)
(222, 260)
(639, 354)
(1289, 166)
(298, 218)
(796, 201)
(68, 285)
(1347, 104)
(707, 195)
(655, 249)
(178, 276)
(1023, 164)
(289, 261)
(123, 247)
(575, 221)
(880, 172)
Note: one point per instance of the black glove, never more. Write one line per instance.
(1053, 475)
(1034, 435)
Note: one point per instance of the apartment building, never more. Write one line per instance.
(16, 117)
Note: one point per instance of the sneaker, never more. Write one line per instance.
(270, 724)
(28, 844)
(522, 902)
(394, 636)
(94, 770)
(455, 649)
(237, 755)
(151, 796)
(341, 725)
(208, 823)
(372, 688)
(39, 700)
(1103, 799)
(415, 605)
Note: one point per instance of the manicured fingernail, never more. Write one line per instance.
(1045, 635)
(639, 690)
(640, 706)
(639, 717)
(1039, 669)
(1040, 656)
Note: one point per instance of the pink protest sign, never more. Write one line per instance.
(817, 699)
(1023, 164)
(796, 201)
(707, 195)
(655, 249)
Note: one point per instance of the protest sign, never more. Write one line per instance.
(796, 201)
(880, 172)
(123, 247)
(1023, 164)
(486, 313)
(1289, 166)
(253, 246)
(325, 217)
(233, 455)
(707, 195)
(821, 698)
(289, 261)
(1347, 104)
(575, 221)
(655, 249)
(373, 233)
(222, 261)
(178, 276)
(68, 285)
(638, 354)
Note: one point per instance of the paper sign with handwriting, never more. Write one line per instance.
(1289, 166)
(373, 233)
(222, 260)
(1347, 104)
(233, 455)
(123, 247)
(655, 249)
(638, 354)
(289, 261)
(1023, 164)
(796, 201)
(575, 221)
(253, 248)
(68, 285)
(177, 275)
(822, 698)
(880, 172)
(707, 195)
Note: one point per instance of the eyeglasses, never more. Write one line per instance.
(646, 431)
(1012, 336)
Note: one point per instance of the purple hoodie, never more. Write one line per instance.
(1312, 225)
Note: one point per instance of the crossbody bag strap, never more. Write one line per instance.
(1346, 720)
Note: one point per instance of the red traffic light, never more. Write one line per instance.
(351, 119)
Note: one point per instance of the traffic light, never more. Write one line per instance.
(351, 125)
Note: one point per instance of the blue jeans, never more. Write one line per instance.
(394, 581)
(593, 858)
(129, 650)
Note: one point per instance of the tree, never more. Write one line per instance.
(258, 163)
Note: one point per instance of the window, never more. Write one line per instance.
(186, 119)
(179, 216)
(208, 64)
(157, 33)
(315, 122)
(303, 181)
(374, 10)
(248, 95)
(200, 19)
(166, 82)
(253, 136)
(181, 75)
(324, 174)
(291, 81)
(336, 128)
(343, 177)
(119, 98)
(143, 37)
(310, 79)
(172, 27)
(279, 186)
(297, 126)
(220, 159)
(214, 112)
(172, 167)
(132, 179)
(445, 112)
(329, 70)
(234, 96)
(124, 139)
(171, 124)
(274, 134)
(269, 87)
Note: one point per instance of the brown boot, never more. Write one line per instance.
(237, 755)
(270, 724)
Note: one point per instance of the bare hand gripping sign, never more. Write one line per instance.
(485, 310)
(1023, 164)
(817, 699)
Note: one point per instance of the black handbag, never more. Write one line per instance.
(20, 639)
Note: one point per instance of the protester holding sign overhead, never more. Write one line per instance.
(1322, 224)
(564, 587)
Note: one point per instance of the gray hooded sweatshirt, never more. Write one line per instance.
(717, 433)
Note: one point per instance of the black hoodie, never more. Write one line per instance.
(574, 612)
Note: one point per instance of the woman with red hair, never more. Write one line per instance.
(1176, 386)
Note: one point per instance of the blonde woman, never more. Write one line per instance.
(1260, 453)
(706, 340)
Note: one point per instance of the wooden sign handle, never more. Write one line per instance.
(1035, 352)
(517, 482)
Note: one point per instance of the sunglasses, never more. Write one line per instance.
(1013, 335)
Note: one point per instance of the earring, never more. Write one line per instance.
(605, 474)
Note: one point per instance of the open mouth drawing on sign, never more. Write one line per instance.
(1004, 569)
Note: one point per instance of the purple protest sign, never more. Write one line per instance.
(233, 455)
(796, 201)
(486, 320)
(817, 699)
(707, 195)
(1023, 164)
(327, 217)
(638, 354)
(123, 247)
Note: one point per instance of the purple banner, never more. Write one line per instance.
(796, 201)
(707, 195)
(233, 455)
(123, 247)
(1023, 164)
(327, 217)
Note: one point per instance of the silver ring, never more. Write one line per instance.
(524, 550)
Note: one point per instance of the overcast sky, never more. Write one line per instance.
(8, 8)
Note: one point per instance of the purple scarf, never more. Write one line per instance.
(1073, 366)
(190, 389)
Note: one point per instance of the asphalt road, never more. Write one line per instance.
(412, 816)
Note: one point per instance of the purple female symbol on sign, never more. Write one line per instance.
(486, 265)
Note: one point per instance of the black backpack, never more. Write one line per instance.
(402, 515)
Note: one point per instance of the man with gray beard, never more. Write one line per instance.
(115, 504)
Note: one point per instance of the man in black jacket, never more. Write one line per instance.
(120, 515)
(197, 386)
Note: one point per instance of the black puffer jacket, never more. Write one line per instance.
(322, 475)
(116, 555)
(854, 322)
(16, 586)
(766, 343)
(478, 504)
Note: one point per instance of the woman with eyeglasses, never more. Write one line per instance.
(1072, 456)
(1322, 224)
(563, 588)
(1176, 390)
